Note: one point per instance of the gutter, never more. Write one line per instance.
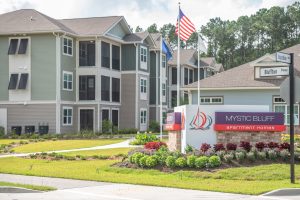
(230, 88)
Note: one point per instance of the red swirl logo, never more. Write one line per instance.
(201, 121)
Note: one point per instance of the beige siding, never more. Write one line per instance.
(30, 115)
(127, 111)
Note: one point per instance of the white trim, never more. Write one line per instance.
(143, 95)
(58, 84)
(96, 53)
(233, 88)
(63, 46)
(94, 117)
(63, 79)
(63, 116)
(210, 98)
(135, 72)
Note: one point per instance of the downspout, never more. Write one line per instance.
(137, 88)
(97, 81)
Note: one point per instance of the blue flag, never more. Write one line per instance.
(166, 50)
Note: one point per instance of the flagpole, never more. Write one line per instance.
(199, 70)
(160, 88)
(178, 58)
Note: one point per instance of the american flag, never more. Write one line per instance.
(186, 27)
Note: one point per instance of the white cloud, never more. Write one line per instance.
(145, 12)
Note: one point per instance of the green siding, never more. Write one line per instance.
(43, 67)
(68, 63)
(4, 69)
(128, 57)
(117, 31)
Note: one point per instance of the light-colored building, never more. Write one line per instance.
(248, 84)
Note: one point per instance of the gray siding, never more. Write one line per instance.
(128, 57)
(68, 63)
(127, 112)
(117, 31)
(152, 77)
(30, 115)
(4, 76)
(43, 67)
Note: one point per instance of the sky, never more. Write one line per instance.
(145, 12)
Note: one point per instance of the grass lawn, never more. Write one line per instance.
(8, 141)
(62, 145)
(251, 180)
(32, 187)
(103, 152)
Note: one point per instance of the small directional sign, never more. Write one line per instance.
(283, 57)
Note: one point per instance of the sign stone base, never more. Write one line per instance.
(174, 143)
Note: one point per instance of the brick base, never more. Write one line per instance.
(252, 137)
(174, 142)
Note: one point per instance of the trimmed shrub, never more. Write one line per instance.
(245, 145)
(201, 162)
(143, 138)
(191, 161)
(261, 155)
(135, 158)
(154, 145)
(228, 157)
(219, 147)
(154, 126)
(204, 147)
(240, 156)
(285, 145)
(151, 161)
(142, 161)
(284, 154)
(272, 155)
(170, 162)
(273, 145)
(180, 162)
(250, 156)
(214, 161)
(231, 146)
(260, 145)
(189, 149)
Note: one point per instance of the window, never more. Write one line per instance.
(23, 81)
(68, 46)
(115, 57)
(164, 89)
(13, 46)
(191, 76)
(185, 97)
(143, 88)
(186, 76)
(164, 63)
(87, 53)
(105, 88)
(143, 116)
(115, 118)
(13, 81)
(105, 115)
(23, 46)
(174, 75)
(281, 106)
(173, 98)
(143, 54)
(105, 54)
(115, 83)
(68, 81)
(67, 116)
(86, 87)
(211, 100)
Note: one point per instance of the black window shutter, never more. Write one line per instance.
(13, 46)
(23, 81)
(23, 46)
(13, 81)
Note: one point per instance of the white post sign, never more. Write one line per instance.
(274, 71)
(283, 57)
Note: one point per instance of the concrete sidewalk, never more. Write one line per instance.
(124, 144)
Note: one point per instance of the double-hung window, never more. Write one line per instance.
(281, 106)
(143, 58)
(143, 116)
(143, 88)
(164, 90)
(68, 46)
(68, 81)
(164, 63)
(67, 116)
(174, 76)
(18, 46)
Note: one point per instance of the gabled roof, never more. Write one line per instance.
(243, 75)
(140, 37)
(29, 21)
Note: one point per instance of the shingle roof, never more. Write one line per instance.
(186, 57)
(136, 37)
(243, 75)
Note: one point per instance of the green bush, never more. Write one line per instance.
(191, 161)
(214, 161)
(136, 157)
(2, 132)
(107, 126)
(250, 156)
(143, 138)
(142, 161)
(189, 149)
(220, 154)
(228, 157)
(261, 155)
(170, 162)
(162, 155)
(70, 157)
(180, 162)
(154, 126)
(151, 161)
(128, 131)
(240, 156)
(272, 155)
(201, 162)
